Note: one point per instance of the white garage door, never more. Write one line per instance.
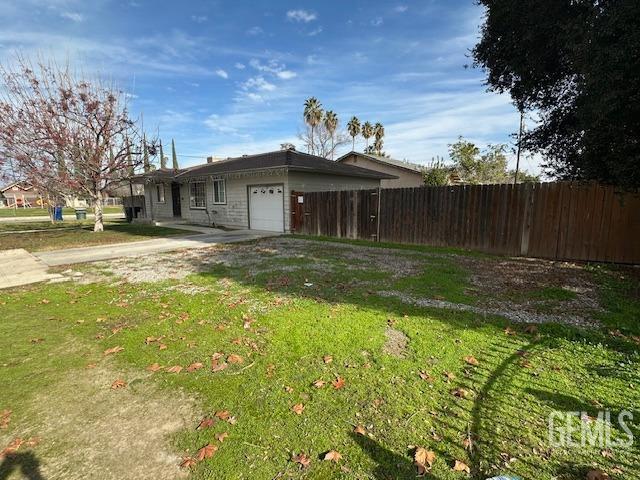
(266, 207)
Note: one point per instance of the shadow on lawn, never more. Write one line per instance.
(27, 463)
(499, 421)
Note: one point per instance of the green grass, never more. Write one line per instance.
(43, 212)
(76, 234)
(519, 381)
(553, 293)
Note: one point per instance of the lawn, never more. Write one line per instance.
(293, 347)
(40, 236)
(43, 212)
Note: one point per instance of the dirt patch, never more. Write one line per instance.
(88, 430)
(395, 343)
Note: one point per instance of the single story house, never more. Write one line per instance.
(406, 174)
(20, 195)
(252, 191)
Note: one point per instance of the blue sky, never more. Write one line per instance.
(226, 78)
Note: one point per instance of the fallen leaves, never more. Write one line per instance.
(206, 452)
(154, 367)
(216, 364)
(233, 358)
(459, 466)
(597, 475)
(359, 430)
(195, 366)
(327, 359)
(427, 377)
(206, 422)
(5, 417)
(332, 456)
(174, 369)
(15, 445)
(301, 459)
(112, 350)
(510, 332)
(298, 408)
(117, 384)
(338, 383)
(188, 462)
(221, 436)
(471, 360)
(460, 393)
(319, 383)
(423, 460)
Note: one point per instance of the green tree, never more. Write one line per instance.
(576, 64)
(437, 173)
(312, 116)
(378, 131)
(353, 127)
(174, 157)
(367, 133)
(331, 124)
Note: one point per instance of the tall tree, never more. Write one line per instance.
(367, 133)
(353, 127)
(174, 157)
(378, 131)
(312, 116)
(576, 64)
(324, 143)
(60, 129)
(163, 160)
(331, 124)
(146, 164)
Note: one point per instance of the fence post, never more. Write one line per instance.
(378, 216)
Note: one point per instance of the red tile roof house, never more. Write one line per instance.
(252, 191)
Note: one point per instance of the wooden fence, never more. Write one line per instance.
(560, 221)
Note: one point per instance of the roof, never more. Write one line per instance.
(289, 159)
(413, 167)
(22, 185)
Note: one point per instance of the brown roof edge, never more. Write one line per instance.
(374, 158)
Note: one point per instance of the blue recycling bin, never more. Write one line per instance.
(57, 214)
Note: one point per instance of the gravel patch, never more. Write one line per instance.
(516, 316)
(396, 343)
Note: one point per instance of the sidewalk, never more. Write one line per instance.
(47, 219)
(132, 249)
(19, 267)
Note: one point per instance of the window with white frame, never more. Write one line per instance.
(219, 191)
(197, 195)
(160, 192)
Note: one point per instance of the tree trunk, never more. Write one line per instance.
(98, 226)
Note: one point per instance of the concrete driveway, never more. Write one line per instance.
(132, 249)
(19, 267)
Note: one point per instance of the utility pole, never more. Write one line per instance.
(515, 176)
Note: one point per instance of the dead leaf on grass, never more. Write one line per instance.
(597, 475)
(195, 366)
(461, 467)
(426, 376)
(471, 360)
(338, 383)
(154, 367)
(327, 359)
(509, 331)
(119, 383)
(319, 383)
(359, 430)
(222, 414)
(207, 451)
(460, 393)
(448, 376)
(298, 408)
(233, 358)
(112, 350)
(5, 416)
(162, 346)
(221, 436)
(206, 422)
(302, 459)
(188, 462)
(423, 460)
(332, 456)
(174, 369)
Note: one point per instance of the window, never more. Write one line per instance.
(160, 193)
(219, 191)
(197, 195)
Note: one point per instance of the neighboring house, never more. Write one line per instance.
(407, 174)
(252, 191)
(19, 195)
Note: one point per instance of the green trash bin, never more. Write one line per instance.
(81, 213)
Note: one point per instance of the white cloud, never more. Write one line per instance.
(73, 16)
(240, 66)
(258, 83)
(222, 73)
(255, 31)
(255, 97)
(301, 16)
(315, 32)
(286, 74)
(377, 22)
(401, 8)
(199, 18)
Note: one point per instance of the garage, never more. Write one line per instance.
(266, 207)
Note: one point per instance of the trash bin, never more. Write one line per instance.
(81, 213)
(128, 213)
(57, 214)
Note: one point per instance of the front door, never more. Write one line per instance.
(175, 195)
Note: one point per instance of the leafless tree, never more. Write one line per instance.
(324, 143)
(67, 135)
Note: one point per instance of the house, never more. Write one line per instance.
(20, 195)
(407, 174)
(252, 191)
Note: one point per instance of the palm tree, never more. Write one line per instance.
(163, 161)
(378, 131)
(367, 132)
(377, 146)
(331, 124)
(312, 116)
(174, 157)
(354, 130)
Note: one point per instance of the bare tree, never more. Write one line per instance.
(321, 141)
(67, 135)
